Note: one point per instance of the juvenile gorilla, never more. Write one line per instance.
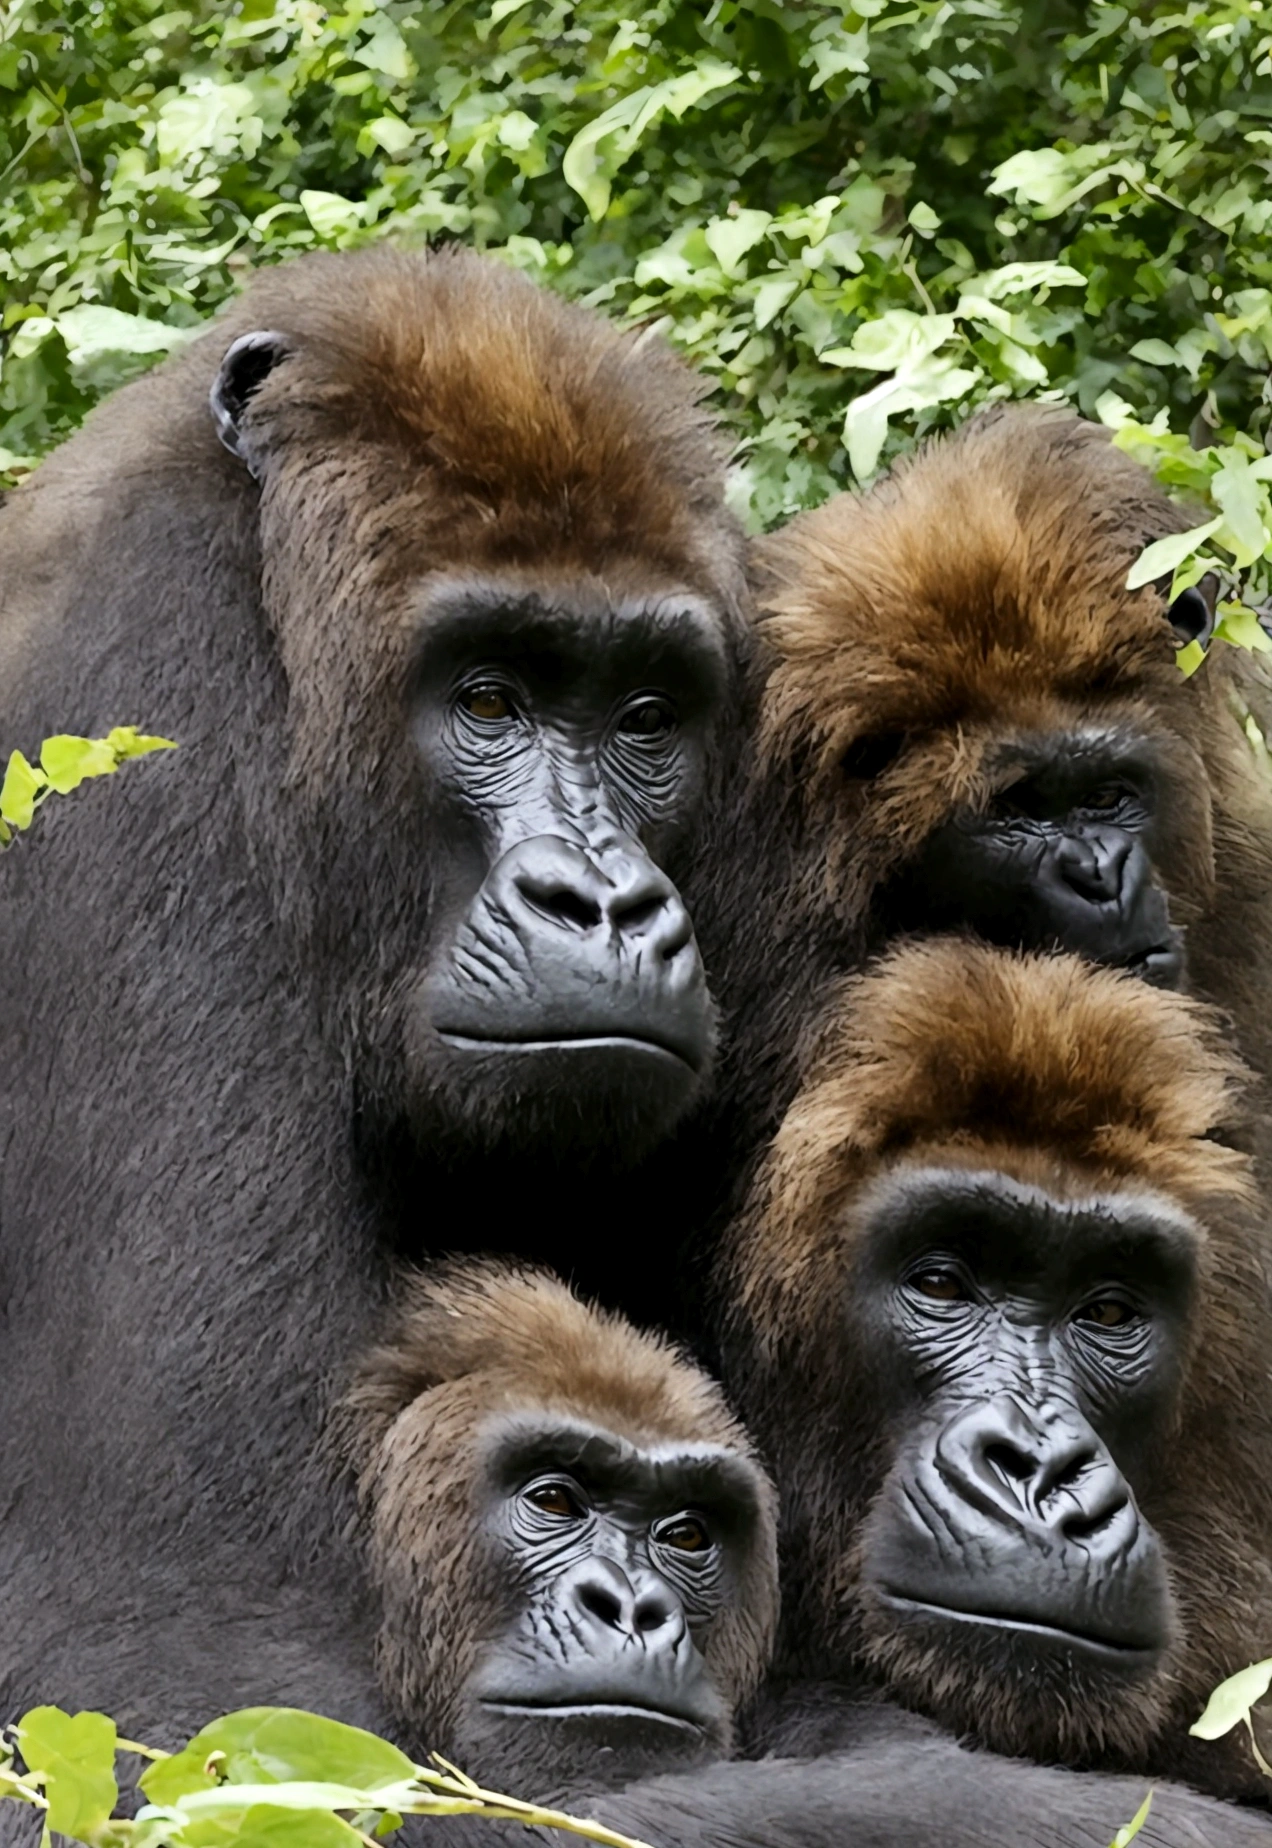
(446, 626)
(990, 731)
(573, 1543)
(1001, 1319)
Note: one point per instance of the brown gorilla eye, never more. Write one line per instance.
(686, 1533)
(556, 1498)
(939, 1286)
(487, 703)
(648, 718)
(1107, 796)
(1107, 1312)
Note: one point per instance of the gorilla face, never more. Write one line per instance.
(1035, 1350)
(609, 1566)
(1062, 857)
(563, 734)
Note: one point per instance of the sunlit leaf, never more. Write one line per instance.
(1125, 1836)
(273, 1744)
(68, 761)
(22, 784)
(1232, 1700)
(76, 1754)
(1160, 559)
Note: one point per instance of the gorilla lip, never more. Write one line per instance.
(595, 1710)
(467, 1042)
(1127, 1654)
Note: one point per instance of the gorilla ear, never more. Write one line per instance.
(245, 368)
(1192, 614)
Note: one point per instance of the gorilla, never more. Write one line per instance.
(429, 574)
(574, 1546)
(999, 1314)
(989, 732)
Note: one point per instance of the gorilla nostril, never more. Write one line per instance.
(1010, 1462)
(563, 904)
(636, 917)
(599, 1602)
(1085, 1524)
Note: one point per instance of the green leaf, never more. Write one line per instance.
(924, 219)
(1232, 1700)
(329, 214)
(1244, 500)
(267, 1825)
(275, 1744)
(76, 1755)
(1239, 625)
(1160, 559)
(67, 761)
(22, 784)
(729, 239)
(1125, 1836)
(126, 742)
(92, 329)
(599, 149)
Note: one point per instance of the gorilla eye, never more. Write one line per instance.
(1106, 796)
(939, 1286)
(687, 1533)
(486, 702)
(867, 758)
(1106, 1312)
(648, 718)
(556, 1498)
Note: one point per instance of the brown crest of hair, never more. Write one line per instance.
(473, 1340)
(1077, 1079)
(976, 592)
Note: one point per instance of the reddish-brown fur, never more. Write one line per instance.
(473, 1341)
(977, 594)
(1075, 1079)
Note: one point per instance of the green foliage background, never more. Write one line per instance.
(860, 219)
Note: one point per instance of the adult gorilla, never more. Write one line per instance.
(444, 624)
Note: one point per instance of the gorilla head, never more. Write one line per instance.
(993, 729)
(1000, 1319)
(574, 1545)
(504, 593)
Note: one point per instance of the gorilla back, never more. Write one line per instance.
(444, 625)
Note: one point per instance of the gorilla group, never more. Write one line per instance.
(508, 895)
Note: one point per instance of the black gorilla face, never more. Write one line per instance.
(609, 1566)
(1034, 1348)
(564, 740)
(1061, 859)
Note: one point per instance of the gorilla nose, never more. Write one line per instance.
(1040, 1469)
(619, 891)
(1095, 864)
(605, 1598)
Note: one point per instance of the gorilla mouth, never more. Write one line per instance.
(1159, 963)
(1122, 1652)
(622, 1711)
(571, 1042)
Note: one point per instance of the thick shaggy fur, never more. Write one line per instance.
(977, 594)
(199, 1211)
(1074, 1079)
(479, 1341)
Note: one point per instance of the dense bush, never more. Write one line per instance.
(861, 219)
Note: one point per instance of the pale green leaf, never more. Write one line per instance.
(68, 761)
(1026, 278)
(1155, 353)
(329, 214)
(19, 790)
(1232, 1700)
(1160, 559)
(385, 50)
(274, 1744)
(91, 329)
(1244, 500)
(924, 220)
(1125, 1836)
(772, 296)
(729, 239)
(269, 1825)
(1189, 658)
(126, 741)
(1239, 625)
(392, 134)
(76, 1754)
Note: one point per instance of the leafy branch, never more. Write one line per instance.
(65, 763)
(266, 1777)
